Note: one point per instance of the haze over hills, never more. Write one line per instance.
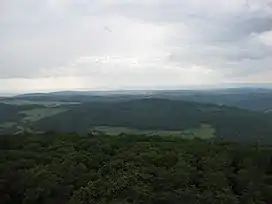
(253, 98)
(241, 86)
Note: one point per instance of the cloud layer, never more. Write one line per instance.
(110, 44)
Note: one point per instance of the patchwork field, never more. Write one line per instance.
(28, 118)
(205, 132)
(39, 113)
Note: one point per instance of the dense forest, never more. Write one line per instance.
(71, 169)
(162, 114)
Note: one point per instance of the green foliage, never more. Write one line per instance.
(38, 113)
(204, 132)
(72, 169)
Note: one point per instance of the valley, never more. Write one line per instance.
(165, 113)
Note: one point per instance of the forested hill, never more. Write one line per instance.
(162, 114)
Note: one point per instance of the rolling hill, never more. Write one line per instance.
(161, 114)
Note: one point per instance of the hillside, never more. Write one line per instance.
(12, 113)
(247, 98)
(148, 116)
(161, 114)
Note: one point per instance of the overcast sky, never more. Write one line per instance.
(133, 44)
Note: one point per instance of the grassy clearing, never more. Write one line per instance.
(205, 132)
(119, 130)
(39, 113)
(7, 125)
(116, 130)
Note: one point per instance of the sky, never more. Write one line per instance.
(53, 45)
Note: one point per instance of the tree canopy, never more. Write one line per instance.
(69, 168)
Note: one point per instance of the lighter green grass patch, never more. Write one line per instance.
(7, 125)
(39, 113)
(119, 130)
(204, 132)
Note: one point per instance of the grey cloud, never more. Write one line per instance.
(41, 39)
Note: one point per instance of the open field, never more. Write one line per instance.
(205, 131)
(39, 113)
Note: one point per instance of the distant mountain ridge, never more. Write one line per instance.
(132, 92)
(249, 98)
